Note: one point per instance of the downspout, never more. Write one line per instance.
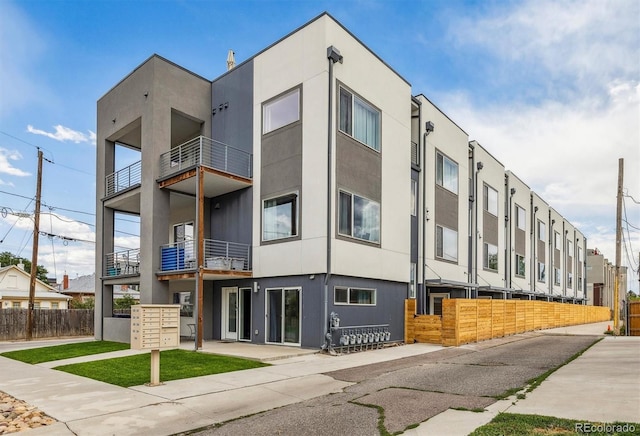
(477, 169)
(333, 56)
(552, 277)
(534, 243)
(423, 216)
(472, 158)
(510, 226)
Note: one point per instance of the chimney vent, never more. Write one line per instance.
(231, 60)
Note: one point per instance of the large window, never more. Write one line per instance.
(569, 247)
(520, 265)
(570, 280)
(490, 200)
(542, 231)
(359, 119)
(359, 217)
(490, 257)
(412, 281)
(446, 173)
(446, 243)
(521, 218)
(357, 296)
(556, 276)
(557, 243)
(281, 111)
(280, 217)
(542, 276)
(579, 254)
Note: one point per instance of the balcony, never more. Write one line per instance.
(226, 168)
(123, 263)
(221, 259)
(123, 179)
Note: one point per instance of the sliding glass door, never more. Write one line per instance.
(284, 307)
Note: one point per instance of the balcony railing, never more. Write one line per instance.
(121, 263)
(207, 152)
(123, 179)
(218, 255)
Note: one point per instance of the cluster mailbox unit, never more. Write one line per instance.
(155, 327)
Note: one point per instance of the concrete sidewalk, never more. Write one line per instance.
(601, 385)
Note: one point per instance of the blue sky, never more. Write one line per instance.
(550, 88)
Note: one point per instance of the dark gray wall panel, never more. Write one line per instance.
(490, 228)
(233, 125)
(520, 243)
(231, 216)
(446, 205)
(358, 168)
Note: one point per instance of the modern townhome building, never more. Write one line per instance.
(304, 185)
(600, 281)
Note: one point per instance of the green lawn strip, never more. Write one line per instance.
(509, 424)
(65, 351)
(174, 365)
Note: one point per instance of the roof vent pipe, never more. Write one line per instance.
(231, 60)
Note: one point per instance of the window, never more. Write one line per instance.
(520, 265)
(446, 173)
(490, 200)
(570, 280)
(359, 217)
(357, 296)
(15, 304)
(359, 119)
(414, 197)
(556, 241)
(579, 254)
(183, 238)
(569, 247)
(490, 257)
(435, 303)
(185, 301)
(36, 305)
(279, 217)
(446, 243)
(412, 281)
(541, 272)
(556, 276)
(55, 305)
(281, 111)
(542, 231)
(521, 218)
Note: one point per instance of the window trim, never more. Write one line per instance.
(440, 159)
(374, 293)
(541, 273)
(352, 217)
(517, 265)
(486, 190)
(521, 222)
(279, 98)
(441, 257)
(295, 217)
(377, 147)
(485, 262)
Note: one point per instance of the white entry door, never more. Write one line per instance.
(229, 329)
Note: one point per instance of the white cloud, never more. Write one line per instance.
(6, 167)
(65, 134)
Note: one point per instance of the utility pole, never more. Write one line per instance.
(616, 286)
(34, 252)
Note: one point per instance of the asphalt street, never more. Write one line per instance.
(402, 393)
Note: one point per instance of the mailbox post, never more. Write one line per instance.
(155, 327)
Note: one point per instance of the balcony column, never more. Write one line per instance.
(199, 255)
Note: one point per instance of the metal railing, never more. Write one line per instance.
(123, 179)
(121, 263)
(218, 255)
(207, 152)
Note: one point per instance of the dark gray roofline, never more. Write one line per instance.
(323, 14)
(155, 55)
(442, 112)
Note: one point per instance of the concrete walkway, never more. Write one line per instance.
(601, 385)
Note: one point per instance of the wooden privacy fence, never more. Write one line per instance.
(464, 321)
(47, 323)
(634, 318)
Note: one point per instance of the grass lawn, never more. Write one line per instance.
(65, 351)
(508, 424)
(174, 365)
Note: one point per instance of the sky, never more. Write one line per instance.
(550, 88)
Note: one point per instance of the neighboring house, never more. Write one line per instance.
(304, 181)
(14, 291)
(82, 288)
(601, 275)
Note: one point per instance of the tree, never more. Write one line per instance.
(124, 302)
(7, 259)
(78, 304)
